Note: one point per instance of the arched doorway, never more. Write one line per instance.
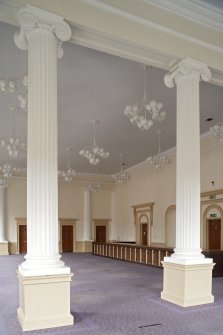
(213, 228)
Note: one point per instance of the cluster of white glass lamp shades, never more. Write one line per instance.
(12, 143)
(9, 85)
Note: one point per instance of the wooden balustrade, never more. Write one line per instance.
(133, 253)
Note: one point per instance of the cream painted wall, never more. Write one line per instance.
(101, 204)
(15, 206)
(159, 186)
(211, 164)
(70, 205)
(146, 185)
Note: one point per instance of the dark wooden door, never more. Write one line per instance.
(214, 234)
(144, 233)
(67, 238)
(100, 233)
(22, 239)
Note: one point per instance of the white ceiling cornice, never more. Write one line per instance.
(196, 10)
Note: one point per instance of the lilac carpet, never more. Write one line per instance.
(111, 297)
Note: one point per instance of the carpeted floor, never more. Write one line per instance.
(111, 297)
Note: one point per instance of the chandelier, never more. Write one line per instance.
(94, 153)
(121, 177)
(217, 131)
(160, 160)
(23, 97)
(6, 172)
(70, 173)
(8, 85)
(13, 143)
(144, 113)
(95, 187)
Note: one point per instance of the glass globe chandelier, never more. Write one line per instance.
(6, 173)
(144, 113)
(70, 173)
(13, 143)
(160, 160)
(8, 85)
(95, 187)
(23, 97)
(121, 177)
(217, 131)
(94, 153)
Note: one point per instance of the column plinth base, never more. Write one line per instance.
(84, 246)
(187, 284)
(4, 249)
(44, 301)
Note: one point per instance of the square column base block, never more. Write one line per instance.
(44, 301)
(4, 249)
(84, 246)
(187, 285)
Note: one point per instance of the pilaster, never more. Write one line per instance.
(113, 228)
(3, 241)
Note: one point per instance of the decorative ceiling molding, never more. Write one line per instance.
(98, 41)
(196, 10)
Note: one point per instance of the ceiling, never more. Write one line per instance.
(95, 85)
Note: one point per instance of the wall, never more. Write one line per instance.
(146, 185)
(159, 186)
(70, 205)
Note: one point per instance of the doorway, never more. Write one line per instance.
(144, 233)
(22, 239)
(214, 227)
(101, 234)
(67, 238)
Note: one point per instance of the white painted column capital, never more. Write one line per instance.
(187, 67)
(31, 18)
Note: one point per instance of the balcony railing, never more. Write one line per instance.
(133, 253)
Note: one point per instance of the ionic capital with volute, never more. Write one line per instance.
(187, 67)
(31, 18)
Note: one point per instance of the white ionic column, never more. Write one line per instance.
(2, 215)
(87, 215)
(42, 33)
(187, 279)
(187, 76)
(113, 228)
(44, 280)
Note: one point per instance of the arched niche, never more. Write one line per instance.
(212, 212)
(143, 219)
(170, 226)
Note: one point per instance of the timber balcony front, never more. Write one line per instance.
(149, 255)
(133, 253)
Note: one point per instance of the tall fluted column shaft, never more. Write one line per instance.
(2, 215)
(87, 215)
(42, 177)
(187, 77)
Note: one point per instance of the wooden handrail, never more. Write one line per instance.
(133, 253)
